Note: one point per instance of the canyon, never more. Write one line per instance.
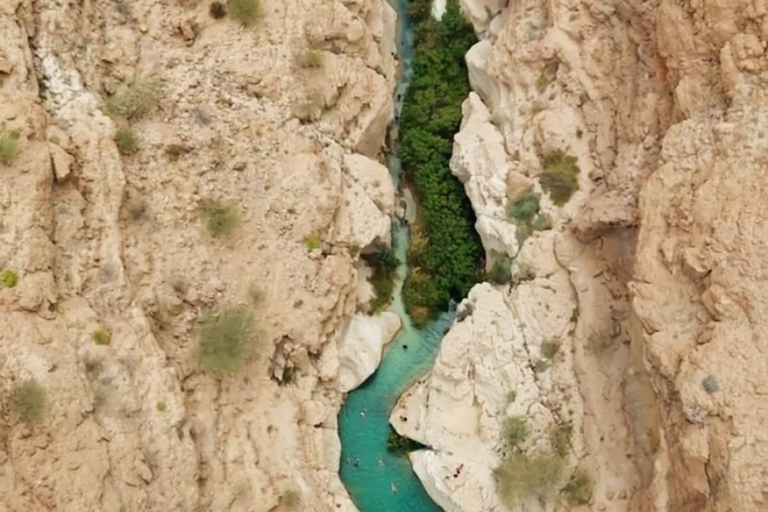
(627, 336)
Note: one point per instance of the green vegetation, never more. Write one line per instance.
(126, 141)
(560, 437)
(383, 279)
(515, 430)
(578, 490)
(245, 11)
(399, 444)
(520, 477)
(161, 406)
(550, 348)
(8, 279)
(217, 10)
(101, 337)
(501, 271)
(226, 338)
(135, 102)
(313, 59)
(312, 242)
(524, 208)
(28, 401)
(524, 213)
(560, 177)
(446, 258)
(9, 145)
(710, 385)
(220, 219)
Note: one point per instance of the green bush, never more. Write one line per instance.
(501, 271)
(449, 261)
(524, 208)
(9, 145)
(245, 11)
(578, 490)
(134, 102)
(226, 339)
(217, 10)
(101, 337)
(560, 177)
(312, 242)
(399, 444)
(161, 406)
(28, 401)
(8, 278)
(550, 348)
(313, 59)
(126, 141)
(515, 430)
(220, 219)
(383, 279)
(520, 477)
(541, 223)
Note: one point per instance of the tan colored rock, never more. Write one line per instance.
(101, 241)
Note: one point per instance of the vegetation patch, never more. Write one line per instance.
(525, 213)
(448, 261)
(161, 406)
(709, 383)
(134, 102)
(126, 141)
(101, 337)
(220, 219)
(8, 278)
(520, 477)
(312, 243)
(578, 490)
(399, 444)
(524, 208)
(501, 271)
(550, 348)
(313, 59)
(560, 178)
(560, 437)
(28, 401)
(9, 145)
(217, 10)
(383, 279)
(245, 11)
(226, 339)
(515, 430)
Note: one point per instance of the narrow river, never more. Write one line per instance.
(377, 480)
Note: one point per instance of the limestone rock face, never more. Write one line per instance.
(106, 241)
(652, 268)
(362, 345)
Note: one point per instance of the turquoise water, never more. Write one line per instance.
(378, 480)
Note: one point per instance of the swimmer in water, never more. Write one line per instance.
(394, 488)
(381, 464)
(362, 414)
(357, 462)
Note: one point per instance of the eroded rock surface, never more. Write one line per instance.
(651, 277)
(104, 241)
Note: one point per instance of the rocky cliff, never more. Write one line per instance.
(280, 121)
(625, 358)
